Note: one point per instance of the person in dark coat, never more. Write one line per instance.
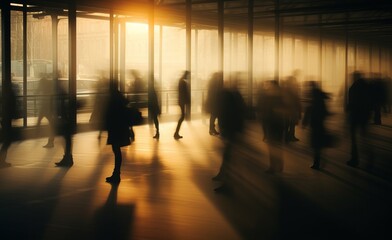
(231, 120)
(154, 110)
(212, 103)
(275, 112)
(184, 99)
(64, 125)
(315, 115)
(8, 105)
(359, 111)
(117, 125)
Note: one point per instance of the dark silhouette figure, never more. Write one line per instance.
(231, 120)
(261, 108)
(117, 125)
(64, 125)
(212, 103)
(137, 89)
(378, 97)
(315, 115)
(359, 110)
(97, 118)
(46, 90)
(293, 103)
(184, 99)
(154, 110)
(8, 105)
(275, 112)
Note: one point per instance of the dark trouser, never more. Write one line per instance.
(181, 119)
(117, 159)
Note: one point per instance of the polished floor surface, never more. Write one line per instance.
(166, 190)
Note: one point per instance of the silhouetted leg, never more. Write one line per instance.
(115, 178)
(377, 115)
(156, 124)
(3, 153)
(67, 160)
(177, 132)
(316, 158)
(52, 125)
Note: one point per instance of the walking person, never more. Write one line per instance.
(212, 103)
(117, 125)
(184, 100)
(315, 115)
(64, 125)
(154, 110)
(359, 112)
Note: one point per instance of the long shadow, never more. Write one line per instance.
(28, 218)
(113, 220)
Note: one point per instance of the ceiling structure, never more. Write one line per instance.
(360, 20)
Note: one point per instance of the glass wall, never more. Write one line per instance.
(93, 60)
(47, 55)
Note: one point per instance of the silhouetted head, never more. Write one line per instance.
(185, 75)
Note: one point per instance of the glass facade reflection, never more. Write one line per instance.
(40, 50)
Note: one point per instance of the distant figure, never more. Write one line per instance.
(46, 89)
(117, 125)
(275, 116)
(212, 105)
(97, 115)
(359, 110)
(231, 120)
(261, 108)
(137, 88)
(8, 105)
(292, 100)
(64, 125)
(154, 110)
(315, 114)
(184, 99)
(378, 97)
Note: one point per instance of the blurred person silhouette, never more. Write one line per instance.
(275, 118)
(9, 111)
(231, 120)
(117, 125)
(292, 100)
(64, 124)
(137, 88)
(154, 110)
(46, 109)
(359, 111)
(184, 99)
(261, 108)
(212, 105)
(378, 96)
(314, 116)
(100, 102)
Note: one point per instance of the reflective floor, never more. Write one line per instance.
(166, 190)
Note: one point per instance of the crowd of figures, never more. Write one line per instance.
(281, 107)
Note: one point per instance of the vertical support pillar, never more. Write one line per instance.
(151, 61)
(25, 65)
(111, 42)
(122, 55)
(72, 62)
(250, 52)
(320, 68)
(188, 17)
(55, 46)
(6, 67)
(220, 34)
(277, 40)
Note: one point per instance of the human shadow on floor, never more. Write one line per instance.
(113, 220)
